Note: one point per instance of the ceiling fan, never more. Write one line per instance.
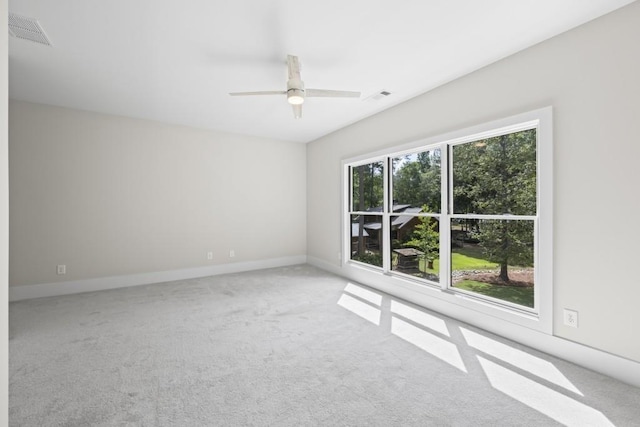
(296, 92)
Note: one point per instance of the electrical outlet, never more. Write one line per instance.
(232, 253)
(61, 269)
(571, 318)
(209, 256)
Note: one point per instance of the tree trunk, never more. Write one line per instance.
(504, 275)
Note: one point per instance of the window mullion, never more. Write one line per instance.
(386, 223)
(445, 219)
(536, 265)
(345, 253)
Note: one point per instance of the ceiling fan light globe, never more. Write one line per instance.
(296, 100)
(295, 96)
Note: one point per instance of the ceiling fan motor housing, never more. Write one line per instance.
(295, 91)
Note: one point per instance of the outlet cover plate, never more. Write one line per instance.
(570, 318)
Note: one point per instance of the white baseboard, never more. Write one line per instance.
(17, 293)
(620, 368)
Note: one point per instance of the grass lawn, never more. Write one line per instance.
(467, 258)
(517, 295)
(470, 258)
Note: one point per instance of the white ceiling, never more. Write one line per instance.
(176, 61)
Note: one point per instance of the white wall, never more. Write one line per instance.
(4, 217)
(113, 196)
(591, 77)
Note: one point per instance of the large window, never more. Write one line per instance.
(461, 215)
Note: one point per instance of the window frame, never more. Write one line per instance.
(540, 316)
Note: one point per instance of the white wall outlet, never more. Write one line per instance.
(571, 318)
(209, 256)
(232, 253)
(61, 269)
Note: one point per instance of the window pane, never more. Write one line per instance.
(367, 187)
(416, 181)
(415, 243)
(496, 176)
(494, 258)
(366, 239)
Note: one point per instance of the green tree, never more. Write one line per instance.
(498, 176)
(507, 243)
(426, 239)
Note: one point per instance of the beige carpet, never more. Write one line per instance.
(284, 347)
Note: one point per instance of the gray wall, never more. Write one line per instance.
(111, 196)
(591, 77)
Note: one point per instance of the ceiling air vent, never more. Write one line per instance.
(27, 29)
(377, 96)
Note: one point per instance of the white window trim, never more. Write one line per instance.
(541, 321)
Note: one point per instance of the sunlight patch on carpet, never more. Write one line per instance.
(420, 317)
(365, 294)
(541, 398)
(434, 345)
(360, 308)
(527, 362)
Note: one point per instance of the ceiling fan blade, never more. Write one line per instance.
(264, 92)
(318, 93)
(297, 111)
(294, 67)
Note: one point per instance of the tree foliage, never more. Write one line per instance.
(496, 175)
(416, 179)
(367, 186)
